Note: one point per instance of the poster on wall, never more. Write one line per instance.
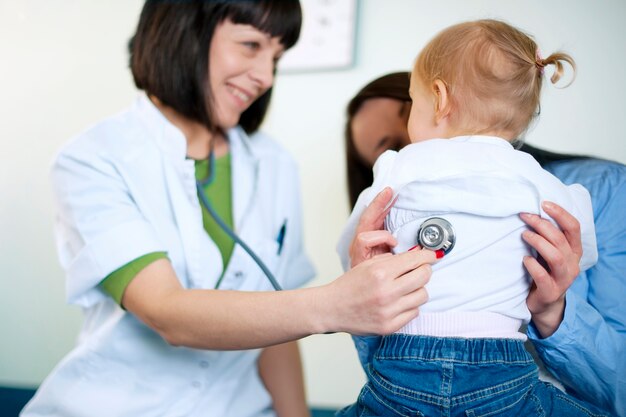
(327, 39)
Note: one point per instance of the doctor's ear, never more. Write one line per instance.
(442, 100)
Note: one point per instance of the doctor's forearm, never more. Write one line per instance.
(376, 297)
(221, 320)
(225, 320)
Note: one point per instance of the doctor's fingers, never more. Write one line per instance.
(374, 215)
(401, 264)
(405, 309)
(412, 281)
(408, 308)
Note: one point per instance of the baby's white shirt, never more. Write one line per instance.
(480, 184)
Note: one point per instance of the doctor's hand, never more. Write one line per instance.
(370, 238)
(381, 294)
(554, 273)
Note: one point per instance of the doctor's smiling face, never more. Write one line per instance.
(212, 62)
(242, 66)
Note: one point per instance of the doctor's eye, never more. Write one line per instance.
(252, 45)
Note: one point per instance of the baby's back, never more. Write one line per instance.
(479, 185)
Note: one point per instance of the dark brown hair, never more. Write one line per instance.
(394, 85)
(169, 53)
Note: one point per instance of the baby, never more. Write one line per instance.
(475, 89)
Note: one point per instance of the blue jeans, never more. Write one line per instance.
(428, 376)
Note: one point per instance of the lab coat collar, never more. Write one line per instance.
(244, 161)
(167, 136)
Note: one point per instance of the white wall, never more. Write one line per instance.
(63, 67)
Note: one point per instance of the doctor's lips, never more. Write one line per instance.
(439, 253)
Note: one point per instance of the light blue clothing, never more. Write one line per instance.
(429, 376)
(588, 351)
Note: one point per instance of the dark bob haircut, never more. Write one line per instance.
(169, 53)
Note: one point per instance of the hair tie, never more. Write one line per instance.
(539, 63)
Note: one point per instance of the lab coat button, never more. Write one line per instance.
(196, 384)
(239, 275)
(204, 364)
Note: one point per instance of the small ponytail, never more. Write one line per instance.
(557, 60)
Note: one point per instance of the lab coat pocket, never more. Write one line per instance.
(245, 274)
(268, 252)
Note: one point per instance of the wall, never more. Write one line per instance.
(63, 67)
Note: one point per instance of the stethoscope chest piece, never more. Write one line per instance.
(436, 233)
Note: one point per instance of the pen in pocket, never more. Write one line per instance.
(280, 239)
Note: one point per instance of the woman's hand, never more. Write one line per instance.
(382, 292)
(554, 273)
(370, 238)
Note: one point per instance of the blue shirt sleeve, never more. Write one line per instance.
(587, 353)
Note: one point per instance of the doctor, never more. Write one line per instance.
(178, 319)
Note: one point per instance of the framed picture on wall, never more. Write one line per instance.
(327, 39)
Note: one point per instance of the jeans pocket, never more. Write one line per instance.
(371, 404)
(512, 404)
(561, 404)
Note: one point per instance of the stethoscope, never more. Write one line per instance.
(435, 234)
(200, 184)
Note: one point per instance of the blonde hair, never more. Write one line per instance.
(493, 73)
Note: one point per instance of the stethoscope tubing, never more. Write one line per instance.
(205, 202)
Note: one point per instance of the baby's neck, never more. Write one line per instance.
(508, 136)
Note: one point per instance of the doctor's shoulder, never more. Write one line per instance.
(118, 138)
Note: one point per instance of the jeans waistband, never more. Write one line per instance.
(407, 347)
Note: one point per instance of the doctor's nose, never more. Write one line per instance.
(263, 72)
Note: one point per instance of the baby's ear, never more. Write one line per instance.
(442, 101)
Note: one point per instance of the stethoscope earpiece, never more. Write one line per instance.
(436, 233)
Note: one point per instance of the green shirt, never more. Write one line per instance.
(219, 194)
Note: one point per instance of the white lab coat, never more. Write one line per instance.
(125, 188)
